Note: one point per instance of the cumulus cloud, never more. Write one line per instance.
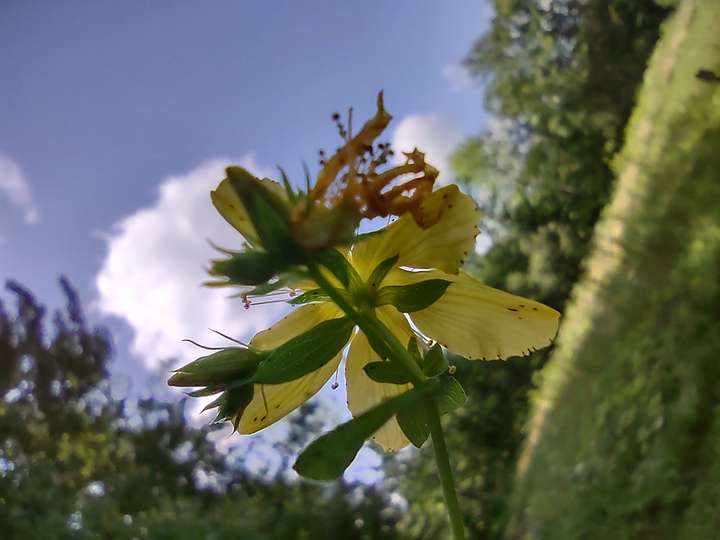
(431, 134)
(458, 76)
(154, 266)
(16, 188)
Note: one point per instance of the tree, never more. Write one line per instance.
(560, 81)
(77, 463)
(624, 435)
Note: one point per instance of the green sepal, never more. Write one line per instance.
(414, 424)
(386, 372)
(327, 457)
(252, 267)
(338, 265)
(322, 226)
(270, 214)
(204, 392)
(413, 297)
(265, 288)
(434, 362)
(381, 270)
(291, 195)
(232, 403)
(315, 295)
(305, 353)
(218, 368)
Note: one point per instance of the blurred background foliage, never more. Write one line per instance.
(631, 454)
(76, 462)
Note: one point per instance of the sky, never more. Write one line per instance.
(117, 118)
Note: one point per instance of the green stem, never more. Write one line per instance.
(379, 333)
(442, 460)
(370, 326)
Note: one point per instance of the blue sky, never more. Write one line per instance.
(117, 117)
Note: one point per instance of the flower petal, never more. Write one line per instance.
(227, 202)
(444, 245)
(281, 399)
(363, 393)
(477, 321)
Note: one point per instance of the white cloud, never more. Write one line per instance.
(458, 76)
(430, 134)
(16, 188)
(152, 273)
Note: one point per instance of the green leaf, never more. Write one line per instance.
(315, 295)
(305, 353)
(386, 372)
(381, 270)
(413, 297)
(414, 424)
(252, 267)
(218, 368)
(434, 362)
(328, 456)
(450, 394)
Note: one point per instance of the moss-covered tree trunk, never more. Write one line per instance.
(625, 437)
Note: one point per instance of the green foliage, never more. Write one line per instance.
(327, 457)
(634, 453)
(76, 462)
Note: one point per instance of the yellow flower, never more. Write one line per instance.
(470, 318)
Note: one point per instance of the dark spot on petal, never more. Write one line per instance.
(511, 309)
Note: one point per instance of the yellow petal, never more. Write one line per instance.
(444, 245)
(281, 399)
(363, 393)
(227, 202)
(477, 321)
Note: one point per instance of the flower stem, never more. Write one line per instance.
(377, 332)
(442, 460)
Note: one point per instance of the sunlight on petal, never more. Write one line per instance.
(444, 245)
